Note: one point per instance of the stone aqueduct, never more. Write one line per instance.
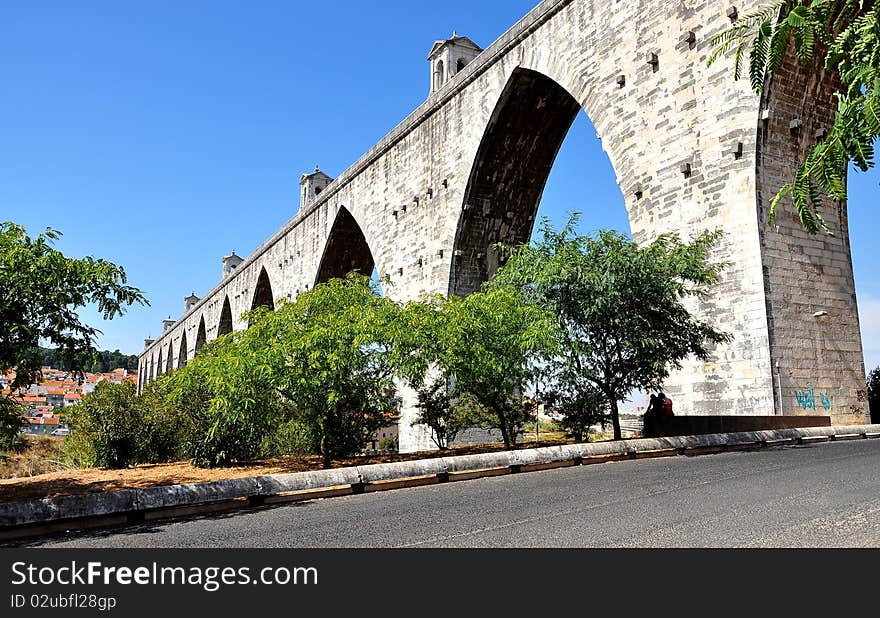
(692, 150)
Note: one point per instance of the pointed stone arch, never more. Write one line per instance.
(263, 296)
(225, 326)
(201, 336)
(152, 368)
(183, 355)
(517, 152)
(346, 251)
(159, 365)
(169, 361)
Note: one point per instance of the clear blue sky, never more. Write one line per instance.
(161, 135)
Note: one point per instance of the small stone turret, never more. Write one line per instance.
(189, 302)
(311, 186)
(230, 263)
(449, 57)
(148, 342)
(167, 324)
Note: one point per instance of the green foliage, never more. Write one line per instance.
(388, 445)
(320, 366)
(330, 358)
(104, 361)
(445, 416)
(581, 409)
(618, 309)
(114, 428)
(105, 428)
(485, 346)
(42, 289)
(164, 429)
(11, 424)
(847, 32)
(227, 393)
(290, 437)
(874, 395)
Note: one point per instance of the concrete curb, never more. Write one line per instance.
(20, 519)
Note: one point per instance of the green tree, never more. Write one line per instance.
(581, 407)
(40, 292)
(487, 348)
(618, 308)
(844, 35)
(439, 411)
(331, 360)
(874, 395)
(318, 369)
(227, 393)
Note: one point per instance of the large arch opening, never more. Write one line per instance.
(347, 251)
(169, 362)
(183, 356)
(537, 128)
(159, 366)
(263, 296)
(225, 326)
(201, 336)
(152, 368)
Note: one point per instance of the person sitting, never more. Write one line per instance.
(665, 404)
(650, 419)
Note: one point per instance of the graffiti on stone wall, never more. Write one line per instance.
(807, 399)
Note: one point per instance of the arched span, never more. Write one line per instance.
(524, 135)
(225, 326)
(152, 368)
(263, 296)
(159, 366)
(183, 356)
(347, 250)
(169, 362)
(201, 336)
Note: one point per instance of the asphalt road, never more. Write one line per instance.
(822, 495)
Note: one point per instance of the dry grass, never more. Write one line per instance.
(42, 455)
(38, 474)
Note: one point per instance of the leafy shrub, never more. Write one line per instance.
(11, 423)
(105, 425)
(290, 437)
(166, 429)
(230, 402)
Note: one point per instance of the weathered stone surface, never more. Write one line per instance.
(468, 168)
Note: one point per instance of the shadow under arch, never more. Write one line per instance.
(263, 296)
(201, 336)
(159, 366)
(225, 326)
(152, 368)
(183, 356)
(169, 362)
(530, 122)
(347, 250)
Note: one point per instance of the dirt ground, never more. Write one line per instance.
(70, 481)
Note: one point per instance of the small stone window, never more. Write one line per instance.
(462, 63)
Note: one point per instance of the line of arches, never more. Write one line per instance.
(519, 146)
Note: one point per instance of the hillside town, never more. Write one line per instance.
(45, 402)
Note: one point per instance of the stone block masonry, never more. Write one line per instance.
(691, 150)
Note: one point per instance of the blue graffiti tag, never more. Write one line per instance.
(827, 401)
(806, 399)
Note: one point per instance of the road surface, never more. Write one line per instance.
(820, 495)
